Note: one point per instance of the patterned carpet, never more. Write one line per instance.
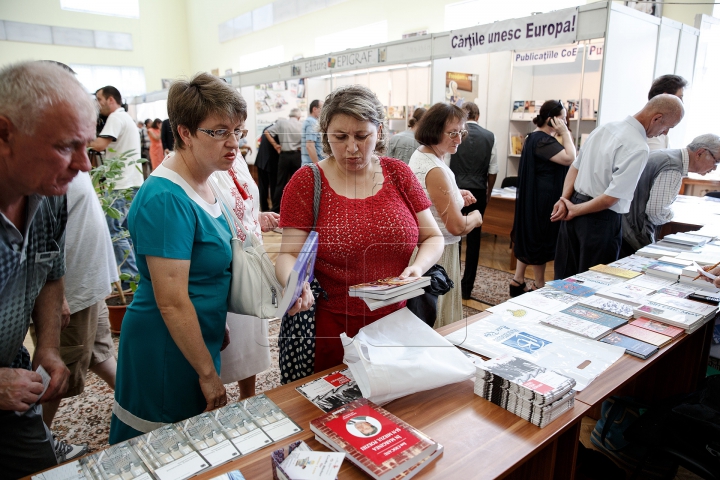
(491, 286)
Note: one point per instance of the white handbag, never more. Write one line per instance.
(254, 288)
(399, 355)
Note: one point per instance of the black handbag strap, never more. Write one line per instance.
(316, 194)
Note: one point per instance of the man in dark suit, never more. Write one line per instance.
(475, 168)
(266, 162)
(166, 136)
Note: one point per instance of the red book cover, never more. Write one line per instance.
(373, 438)
(644, 335)
(659, 327)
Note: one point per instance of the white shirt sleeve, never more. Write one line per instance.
(493, 167)
(662, 195)
(113, 127)
(627, 168)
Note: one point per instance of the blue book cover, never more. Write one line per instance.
(632, 346)
(573, 288)
(303, 271)
(594, 316)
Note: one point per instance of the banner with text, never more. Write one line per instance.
(546, 56)
(546, 29)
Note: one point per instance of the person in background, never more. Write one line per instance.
(440, 132)
(311, 146)
(144, 149)
(475, 168)
(544, 163)
(166, 136)
(46, 122)
(600, 184)
(373, 214)
(182, 240)
(249, 352)
(266, 162)
(659, 185)
(289, 134)
(403, 144)
(672, 85)
(118, 136)
(156, 148)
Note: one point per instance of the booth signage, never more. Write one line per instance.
(344, 61)
(546, 56)
(546, 29)
(595, 51)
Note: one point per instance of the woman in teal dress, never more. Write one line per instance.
(169, 356)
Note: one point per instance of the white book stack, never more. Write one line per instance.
(686, 239)
(651, 251)
(665, 270)
(680, 312)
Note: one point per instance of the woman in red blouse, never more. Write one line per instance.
(373, 213)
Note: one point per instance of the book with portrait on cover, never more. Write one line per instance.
(372, 438)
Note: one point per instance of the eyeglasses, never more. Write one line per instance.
(223, 133)
(462, 133)
(711, 154)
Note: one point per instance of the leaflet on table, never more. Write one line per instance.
(303, 271)
(631, 294)
(270, 417)
(546, 300)
(116, 462)
(331, 391)
(45, 378)
(512, 310)
(209, 438)
(649, 281)
(305, 464)
(246, 435)
(634, 263)
(601, 318)
(169, 454)
(566, 353)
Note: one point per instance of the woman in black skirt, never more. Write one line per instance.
(543, 165)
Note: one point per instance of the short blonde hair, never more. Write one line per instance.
(191, 102)
(358, 102)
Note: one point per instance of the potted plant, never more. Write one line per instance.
(104, 178)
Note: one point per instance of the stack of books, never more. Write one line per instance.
(532, 392)
(388, 291)
(375, 440)
(680, 312)
(576, 325)
(605, 305)
(687, 239)
(643, 337)
(670, 271)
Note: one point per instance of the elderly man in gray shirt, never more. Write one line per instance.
(289, 133)
(600, 184)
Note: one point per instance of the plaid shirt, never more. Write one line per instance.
(664, 191)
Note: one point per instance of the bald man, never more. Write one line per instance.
(600, 184)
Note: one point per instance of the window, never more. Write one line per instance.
(263, 58)
(115, 8)
(352, 38)
(481, 12)
(129, 80)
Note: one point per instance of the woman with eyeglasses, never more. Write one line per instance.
(373, 214)
(543, 164)
(248, 353)
(439, 133)
(173, 331)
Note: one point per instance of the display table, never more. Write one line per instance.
(498, 220)
(691, 213)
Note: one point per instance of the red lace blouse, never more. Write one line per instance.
(360, 240)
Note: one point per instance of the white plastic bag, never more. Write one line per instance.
(399, 355)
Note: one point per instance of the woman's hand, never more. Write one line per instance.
(268, 221)
(558, 123)
(412, 271)
(468, 198)
(214, 392)
(303, 303)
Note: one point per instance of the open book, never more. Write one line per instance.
(302, 272)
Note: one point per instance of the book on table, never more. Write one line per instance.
(595, 316)
(595, 280)
(665, 270)
(546, 300)
(653, 338)
(678, 289)
(168, 453)
(679, 312)
(658, 327)
(376, 441)
(626, 293)
(618, 272)
(573, 288)
(539, 415)
(303, 271)
(576, 325)
(209, 438)
(685, 239)
(331, 391)
(619, 309)
(386, 288)
(652, 282)
(632, 346)
(634, 263)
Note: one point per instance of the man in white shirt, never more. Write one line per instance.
(659, 185)
(289, 133)
(120, 135)
(674, 85)
(600, 184)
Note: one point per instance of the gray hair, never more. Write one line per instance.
(708, 141)
(358, 102)
(28, 89)
(295, 112)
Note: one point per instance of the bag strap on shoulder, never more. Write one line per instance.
(226, 208)
(316, 193)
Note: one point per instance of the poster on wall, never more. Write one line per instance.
(460, 87)
(275, 100)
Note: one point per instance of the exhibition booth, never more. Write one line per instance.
(598, 59)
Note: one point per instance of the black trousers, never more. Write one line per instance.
(288, 164)
(472, 254)
(587, 241)
(267, 180)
